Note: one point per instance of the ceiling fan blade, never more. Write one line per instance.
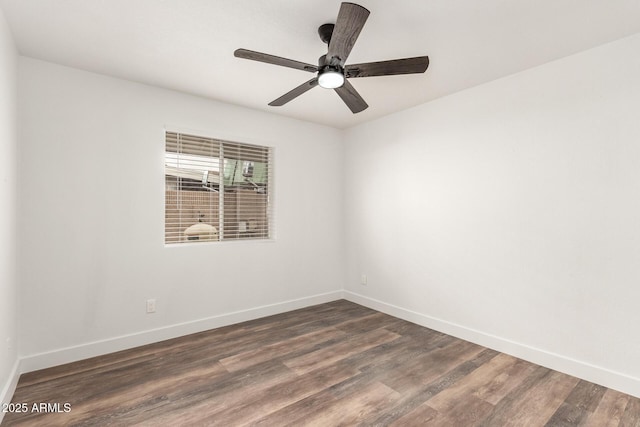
(275, 60)
(351, 19)
(415, 65)
(295, 92)
(351, 97)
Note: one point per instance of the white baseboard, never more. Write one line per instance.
(96, 348)
(596, 374)
(10, 387)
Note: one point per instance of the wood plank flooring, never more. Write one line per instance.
(328, 365)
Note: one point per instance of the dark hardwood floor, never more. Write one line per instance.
(328, 365)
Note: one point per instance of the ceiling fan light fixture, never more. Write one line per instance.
(330, 78)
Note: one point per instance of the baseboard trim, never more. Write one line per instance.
(6, 394)
(96, 348)
(596, 374)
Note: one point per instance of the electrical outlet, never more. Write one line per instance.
(363, 280)
(151, 305)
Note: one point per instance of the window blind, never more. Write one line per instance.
(215, 190)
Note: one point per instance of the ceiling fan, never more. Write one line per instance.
(332, 73)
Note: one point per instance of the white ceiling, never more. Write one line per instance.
(188, 45)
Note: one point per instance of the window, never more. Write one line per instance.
(215, 190)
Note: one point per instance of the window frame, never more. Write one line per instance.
(265, 229)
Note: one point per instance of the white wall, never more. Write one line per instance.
(8, 172)
(92, 217)
(509, 214)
